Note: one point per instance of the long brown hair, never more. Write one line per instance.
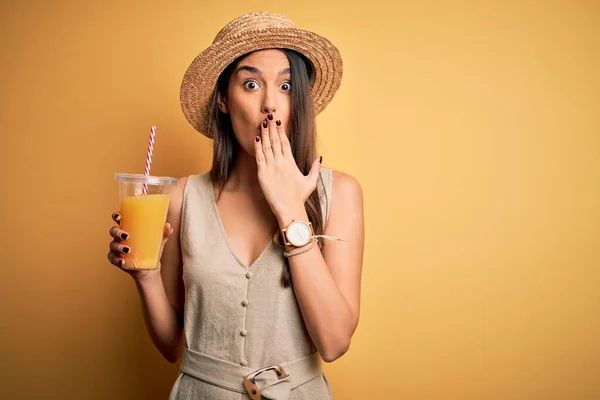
(303, 138)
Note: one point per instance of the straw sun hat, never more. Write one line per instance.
(248, 33)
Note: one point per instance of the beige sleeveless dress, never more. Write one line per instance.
(238, 318)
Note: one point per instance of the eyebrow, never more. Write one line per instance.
(255, 70)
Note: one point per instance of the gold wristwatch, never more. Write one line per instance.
(297, 234)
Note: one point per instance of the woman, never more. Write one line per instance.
(260, 272)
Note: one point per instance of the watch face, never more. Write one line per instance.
(298, 234)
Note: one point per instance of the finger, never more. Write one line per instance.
(116, 216)
(266, 142)
(168, 230)
(274, 135)
(286, 147)
(258, 152)
(119, 248)
(114, 260)
(118, 234)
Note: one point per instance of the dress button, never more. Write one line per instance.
(248, 274)
(244, 363)
(245, 303)
(243, 332)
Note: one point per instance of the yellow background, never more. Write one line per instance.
(474, 128)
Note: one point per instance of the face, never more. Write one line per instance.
(260, 84)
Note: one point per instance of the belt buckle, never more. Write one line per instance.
(250, 383)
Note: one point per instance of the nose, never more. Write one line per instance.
(268, 106)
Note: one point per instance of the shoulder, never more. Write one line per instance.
(178, 190)
(345, 186)
(185, 184)
(185, 181)
(347, 209)
(176, 201)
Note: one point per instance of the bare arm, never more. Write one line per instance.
(162, 295)
(327, 283)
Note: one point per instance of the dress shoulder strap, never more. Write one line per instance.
(325, 192)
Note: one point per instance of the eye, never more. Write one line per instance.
(250, 85)
(286, 86)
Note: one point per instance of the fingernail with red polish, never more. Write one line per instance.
(257, 139)
(278, 122)
(121, 263)
(270, 116)
(321, 160)
(125, 250)
(264, 124)
(124, 236)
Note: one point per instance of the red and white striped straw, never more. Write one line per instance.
(149, 158)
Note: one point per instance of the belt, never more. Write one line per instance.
(273, 382)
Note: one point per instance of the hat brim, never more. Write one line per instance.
(201, 76)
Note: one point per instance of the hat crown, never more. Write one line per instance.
(244, 35)
(253, 22)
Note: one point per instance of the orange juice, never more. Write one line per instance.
(143, 218)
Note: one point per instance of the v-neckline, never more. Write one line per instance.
(209, 186)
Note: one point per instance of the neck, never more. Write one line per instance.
(244, 174)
